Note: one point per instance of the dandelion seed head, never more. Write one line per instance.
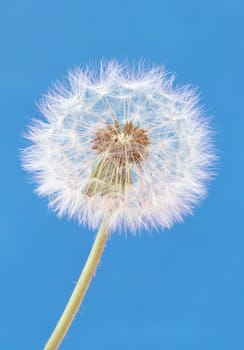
(123, 143)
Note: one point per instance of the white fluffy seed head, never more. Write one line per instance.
(90, 163)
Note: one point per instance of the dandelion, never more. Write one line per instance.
(121, 149)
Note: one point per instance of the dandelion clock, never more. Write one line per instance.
(118, 149)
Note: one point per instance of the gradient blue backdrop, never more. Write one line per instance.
(180, 289)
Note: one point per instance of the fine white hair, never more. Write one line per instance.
(168, 183)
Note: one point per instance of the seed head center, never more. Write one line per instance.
(122, 138)
(126, 144)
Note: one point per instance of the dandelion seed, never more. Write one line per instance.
(125, 148)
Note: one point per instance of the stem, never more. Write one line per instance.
(80, 289)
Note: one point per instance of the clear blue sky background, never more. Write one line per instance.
(180, 289)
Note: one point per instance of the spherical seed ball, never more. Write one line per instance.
(121, 143)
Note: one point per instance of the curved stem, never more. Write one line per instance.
(80, 289)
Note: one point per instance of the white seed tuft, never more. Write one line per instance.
(150, 171)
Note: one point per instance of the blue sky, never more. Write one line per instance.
(177, 289)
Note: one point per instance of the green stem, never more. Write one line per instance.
(80, 289)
